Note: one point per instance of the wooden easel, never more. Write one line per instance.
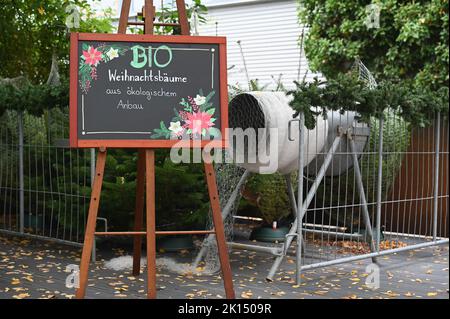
(145, 188)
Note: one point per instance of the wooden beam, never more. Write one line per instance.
(149, 14)
(182, 17)
(139, 212)
(160, 233)
(151, 222)
(91, 222)
(124, 13)
(218, 226)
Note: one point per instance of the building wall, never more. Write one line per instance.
(269, 33)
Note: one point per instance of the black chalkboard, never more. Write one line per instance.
(148, 90)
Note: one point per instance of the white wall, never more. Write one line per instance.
(269, 33)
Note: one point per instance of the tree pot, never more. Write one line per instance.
(174, 243)
(268, 234)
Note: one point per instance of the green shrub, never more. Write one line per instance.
(271, 197)
(410, 44)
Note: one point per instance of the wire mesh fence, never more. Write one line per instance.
(374, 188)
(44, 185)
(343, 218)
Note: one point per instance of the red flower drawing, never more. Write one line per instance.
(92, 56)
(198, 121)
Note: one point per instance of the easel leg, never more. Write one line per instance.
(219, 230)
(139, 212)
(91, 221)
(151, 223)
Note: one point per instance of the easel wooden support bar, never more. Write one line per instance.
(151, 223)
(218, 224)
(139, 212)
(159, 233)
(182, 17)
(91, 221)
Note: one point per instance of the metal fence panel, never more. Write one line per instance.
(41, 179)
(402, 188)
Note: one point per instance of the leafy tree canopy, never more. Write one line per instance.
(32, 31)
(410, 43)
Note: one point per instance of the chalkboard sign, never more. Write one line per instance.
(147, 91)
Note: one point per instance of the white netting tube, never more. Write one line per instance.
(271, 112)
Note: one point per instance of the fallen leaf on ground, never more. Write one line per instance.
(247, 294)
(15, 281)
(390, 293)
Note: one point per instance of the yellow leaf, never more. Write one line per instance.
(279, 293)
(29, 278)
(432, 294)
(247, 294)
(391, 293)
(21, 296)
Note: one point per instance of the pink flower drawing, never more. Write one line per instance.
(198, 121)
(92, 56)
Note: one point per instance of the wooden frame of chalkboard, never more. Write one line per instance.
(159, 137)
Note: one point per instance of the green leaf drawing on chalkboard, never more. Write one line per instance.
(91, 57)
(195, 119)
(205, 106)
(162, 132)
(186, 105)
(177, 115)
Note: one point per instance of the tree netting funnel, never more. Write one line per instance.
(228, 176)
(259, 140)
